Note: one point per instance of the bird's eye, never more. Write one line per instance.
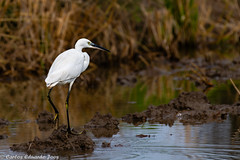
(89, 43)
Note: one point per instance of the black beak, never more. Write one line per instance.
(99, 47)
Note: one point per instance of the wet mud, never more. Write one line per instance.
(219, 69)
(199, 70)
(45, 121)
(60, 141)
(143, 136)
(103, 125)
(135, 118)
(188, 108)
(202, 71)
(106, 144)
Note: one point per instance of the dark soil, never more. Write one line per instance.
(59, 141)
(199, 70)
(118, 145)
(106, 144)
(211, 68)
(189, 108)
(143, 136)
(45, 121)
(135, 118)
(103, 125)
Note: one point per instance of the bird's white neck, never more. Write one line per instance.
(79, 48)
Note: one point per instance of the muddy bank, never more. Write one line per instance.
(103, 125)
(199, 70)
(219, 69)
(58, 142)
(106, 144)
(188, 108)
(202, 70)
(135, 118)
(142, 136)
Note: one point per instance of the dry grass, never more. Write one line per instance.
(34, 32)
(235, 86)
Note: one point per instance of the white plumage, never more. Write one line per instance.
(68, 65)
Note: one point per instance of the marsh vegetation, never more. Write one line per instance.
(34, 32)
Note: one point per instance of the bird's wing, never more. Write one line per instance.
(66, 67)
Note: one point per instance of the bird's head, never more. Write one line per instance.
(85, 43)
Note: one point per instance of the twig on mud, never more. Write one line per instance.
(235, 86)
(71, 143)
(72, 146)
(29, 147)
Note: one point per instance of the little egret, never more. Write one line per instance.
(67, 67)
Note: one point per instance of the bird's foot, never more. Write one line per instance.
(73, 132)
(77, 133)
(56, 119)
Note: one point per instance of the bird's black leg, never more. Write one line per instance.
(55, 109)
(67, 100)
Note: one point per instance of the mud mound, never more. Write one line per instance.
(201, 111)
(106, 144)
(103, 125)
(3, 122)
(189, 108)
(58, 141)
(163, 114)
(201, 117)
(135, 118)
(143, 136)
(102, 121)
(190, 101)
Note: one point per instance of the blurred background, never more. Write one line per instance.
(34, 32)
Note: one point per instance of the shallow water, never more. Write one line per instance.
(22, 101)
(207, 141)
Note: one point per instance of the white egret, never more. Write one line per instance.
(67, 67)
